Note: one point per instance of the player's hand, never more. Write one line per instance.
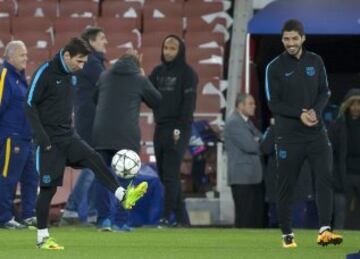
(313, 115)
(309, 118)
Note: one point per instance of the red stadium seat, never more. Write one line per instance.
(34, 39)
(31, 67)
(78, 8)
(207, 103)
(72, 24)
(37, 55)
(198, 24)
(196, 39)
(153, 39)
(166, 9)
(122, 10)
(29, 24)
(124, 40)
(38, 8)
(199, 8)
(117, 25)
(170, 25)
(4, 39)
(194, 54)
(208, 70)
(5, 25)
(7, 8)
(151, 58)
(61, 38)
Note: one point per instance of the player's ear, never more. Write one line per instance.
(303, 38)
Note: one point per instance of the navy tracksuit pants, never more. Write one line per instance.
(17, 165)
(290, 158)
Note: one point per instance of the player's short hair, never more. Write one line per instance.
(293, 25)
(11, 47)
(240, 98)
(90, 33)
(77, 46)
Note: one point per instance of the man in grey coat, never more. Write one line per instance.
(244, 164)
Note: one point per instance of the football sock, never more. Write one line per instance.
(120, 193)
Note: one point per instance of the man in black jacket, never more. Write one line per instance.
(297, 92)
(49, 108)
(84, 119)
(177, 82)
(345, 136)
(116, 126)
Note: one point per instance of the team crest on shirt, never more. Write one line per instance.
(46, 178)
(16, 150)
(310, 71)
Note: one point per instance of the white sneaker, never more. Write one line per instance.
(13, 224)
(30, 222)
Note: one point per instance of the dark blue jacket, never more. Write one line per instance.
(84, 95)
(49, 103)
(121, 91)
(13, 87)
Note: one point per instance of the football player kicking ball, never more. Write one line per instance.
(49, 108)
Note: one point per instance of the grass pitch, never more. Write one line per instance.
(189, 243)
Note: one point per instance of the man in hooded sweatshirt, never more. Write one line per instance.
(345, 137)
(116, 126)
(177, 82)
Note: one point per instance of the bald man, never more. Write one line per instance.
(16, 163)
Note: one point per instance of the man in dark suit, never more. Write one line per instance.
(244, 165)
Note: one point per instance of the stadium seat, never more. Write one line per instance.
(72, 24)
(117, 25)
(29, 24)
(124, 40)
(122, 10)
(165, 9)
(205, 39)
(151, 58)
(207, 103)
(211, 56)
(34, 39)
(38, 8)
(37, 55)
(171, 25)
(4, 39)
(7, 8)
(199, 8)
(78, 8)
(31, 67)
(208, 70)
(5, 25)
(61, 38)
(198, 24)
(153, 39)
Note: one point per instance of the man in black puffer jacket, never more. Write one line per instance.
(116, 125)
(177, 82)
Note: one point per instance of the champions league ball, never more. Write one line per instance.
(126, 163)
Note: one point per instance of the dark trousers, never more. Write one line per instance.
(169, 155)
(249, 205)
(74, 152)
(290, 158)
